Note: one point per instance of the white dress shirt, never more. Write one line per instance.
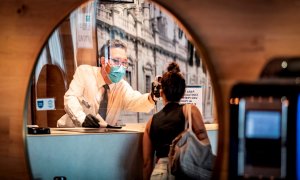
(85, 92)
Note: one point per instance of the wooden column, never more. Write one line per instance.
(24, 28)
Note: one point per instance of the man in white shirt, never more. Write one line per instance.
(83, 98)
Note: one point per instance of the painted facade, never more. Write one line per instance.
(154, 40)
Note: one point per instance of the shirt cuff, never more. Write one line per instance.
(81, 117)
(150, 103)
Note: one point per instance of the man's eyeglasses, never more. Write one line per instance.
(118, 62)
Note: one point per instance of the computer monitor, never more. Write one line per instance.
(264, 131)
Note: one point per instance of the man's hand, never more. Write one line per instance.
(91, 122)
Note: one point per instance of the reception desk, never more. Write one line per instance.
(79, 154)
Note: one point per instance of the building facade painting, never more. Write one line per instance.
(154, 40)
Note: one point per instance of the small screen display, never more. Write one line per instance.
(263, 124)
(298, 140)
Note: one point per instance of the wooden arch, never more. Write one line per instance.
(236, 38)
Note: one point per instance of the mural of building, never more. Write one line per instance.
(154, 40)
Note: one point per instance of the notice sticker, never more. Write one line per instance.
(193, 95)
(44, 104)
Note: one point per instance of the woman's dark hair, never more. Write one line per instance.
(172, 83)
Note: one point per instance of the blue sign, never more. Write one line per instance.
(40, 103)
(44, 104)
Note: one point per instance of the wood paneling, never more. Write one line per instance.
(235, 38)
(50, 84)
(24, 28)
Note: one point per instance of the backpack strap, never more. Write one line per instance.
(189, 111)
(188, 116)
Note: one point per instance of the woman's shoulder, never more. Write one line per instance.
(194, 109)
(192, 106)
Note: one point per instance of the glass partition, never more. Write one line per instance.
(153, 40)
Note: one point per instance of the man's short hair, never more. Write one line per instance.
(115, 43)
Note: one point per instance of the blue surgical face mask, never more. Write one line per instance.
(116, 73)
